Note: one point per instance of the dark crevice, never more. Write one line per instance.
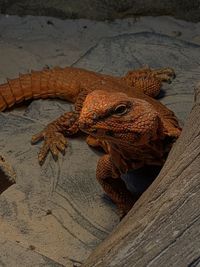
(195, 262)
(6, 179)
(5, 182)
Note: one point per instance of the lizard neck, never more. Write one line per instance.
(129, 157)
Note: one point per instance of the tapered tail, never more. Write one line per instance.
(48, 83)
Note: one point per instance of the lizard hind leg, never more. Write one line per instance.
(164, 74)
(114, 186)
(149, 81)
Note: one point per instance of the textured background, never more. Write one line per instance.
(56, 215)
(101, 10)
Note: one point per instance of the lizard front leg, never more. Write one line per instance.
(54, 135)
(114, 186)
(55, 132)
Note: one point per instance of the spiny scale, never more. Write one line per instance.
(37, 84)
(68, 82)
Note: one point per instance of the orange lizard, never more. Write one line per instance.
(120, 114)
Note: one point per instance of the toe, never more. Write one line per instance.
(43, 153)
(37, 137)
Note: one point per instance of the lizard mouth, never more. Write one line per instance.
(112, 136)
(93, 130)
(99, 132)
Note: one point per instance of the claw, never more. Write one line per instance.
(165, 75)
(37, 137)
(63, 140)
(43, 153)
(169, 81)
(61, 147)
(54, 151)
(54, 141)
(174, 75)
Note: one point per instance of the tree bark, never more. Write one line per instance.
(162, 229)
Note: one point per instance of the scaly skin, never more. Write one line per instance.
(154, 131)
(74, 84)
(136, 134)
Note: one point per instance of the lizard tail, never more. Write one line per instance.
(48, 83)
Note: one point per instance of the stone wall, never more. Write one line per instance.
(103, 9)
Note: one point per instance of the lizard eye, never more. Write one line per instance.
(120, 110)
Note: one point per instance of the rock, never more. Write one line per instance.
(102, 10)
(13, 254)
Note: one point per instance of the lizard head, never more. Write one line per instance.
(115, 117)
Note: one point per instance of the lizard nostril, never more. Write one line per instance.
(93, 130)
(110, 133)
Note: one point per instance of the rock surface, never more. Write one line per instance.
(102, 10)
(58, 214)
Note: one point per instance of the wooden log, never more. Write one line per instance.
(162, 229)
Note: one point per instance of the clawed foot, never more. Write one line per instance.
(164, 75)
(54, 141)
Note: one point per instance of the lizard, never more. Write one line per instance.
(120, 115)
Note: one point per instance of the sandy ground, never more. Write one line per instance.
(33, 42)
(56, 215)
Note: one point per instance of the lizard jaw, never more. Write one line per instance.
(97, 132)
